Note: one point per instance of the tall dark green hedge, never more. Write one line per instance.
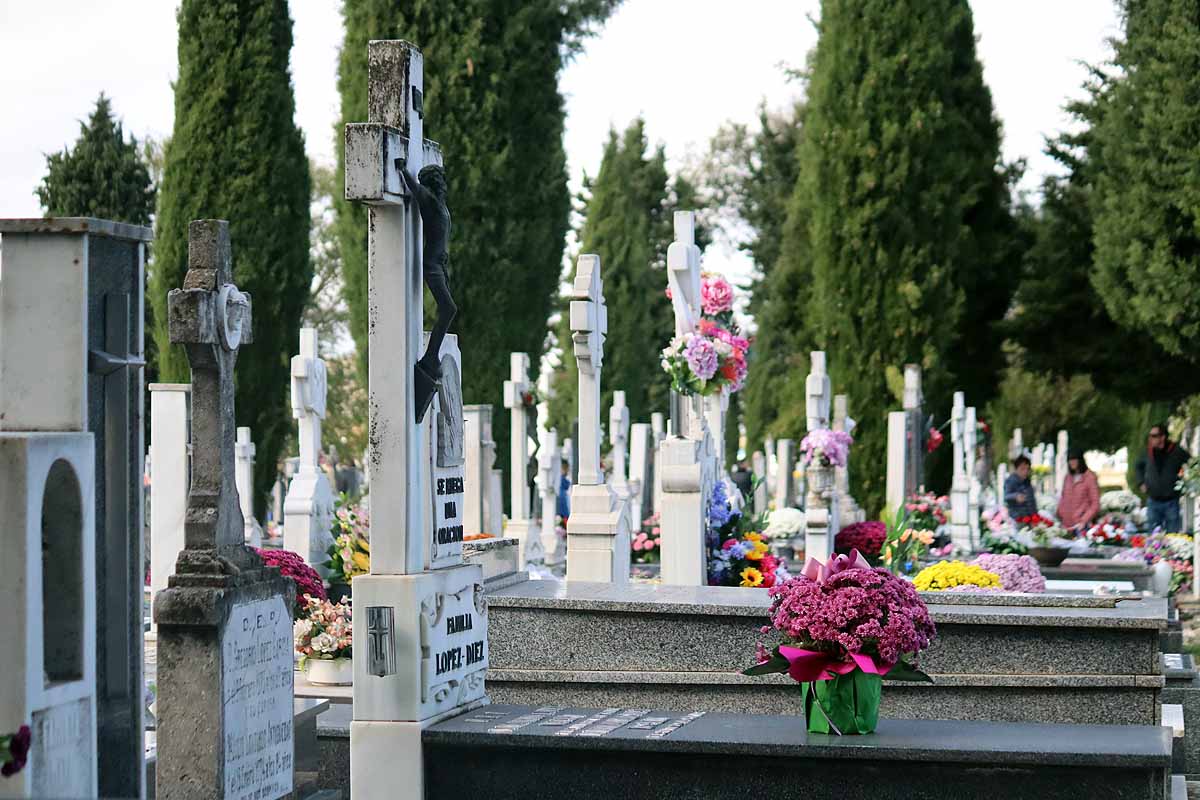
(236, 154)
(629, 223)
(1146, 157)
(896, 240)
(103, 175)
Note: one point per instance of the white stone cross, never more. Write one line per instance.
(818, 390)
(618, 437)
(520, 524)
(244, 452)
(308, 506)
(912, 387)
(960, 487)
(589, 326)
(598, 528)
(549, 461)
(376, 153)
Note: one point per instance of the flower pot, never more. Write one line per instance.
(1049, 556)
(846, 704)
(330, 672)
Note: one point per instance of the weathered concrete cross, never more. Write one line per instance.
(211, 319)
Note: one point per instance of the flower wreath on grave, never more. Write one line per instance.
(844, 626)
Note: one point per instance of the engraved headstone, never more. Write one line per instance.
(447, 464)
(244, 453)
(222, 608)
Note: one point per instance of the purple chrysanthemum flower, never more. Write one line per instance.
(701, 357)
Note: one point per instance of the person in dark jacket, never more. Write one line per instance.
(1019, 496)
(1157, 472)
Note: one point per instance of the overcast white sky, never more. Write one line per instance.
(686, 65)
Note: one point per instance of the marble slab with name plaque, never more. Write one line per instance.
(257, 703)
(588, 723)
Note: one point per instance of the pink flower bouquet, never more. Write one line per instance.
(706, 362)
(843, 626)
(829, 448)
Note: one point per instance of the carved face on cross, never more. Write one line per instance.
(589, 315)
(212, 319)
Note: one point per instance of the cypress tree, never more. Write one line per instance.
(895, 235)
(237, 154)
(1146, 157)
(629, 223)
(103, 176)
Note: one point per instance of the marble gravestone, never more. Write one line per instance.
(758, 463)
(599, 525)
(906, 442)
(960, 487)
(821, 503)
(244, 452)
(480, 455)
(420, 621)
(518, 400)
(686, 458)
(1061, 467)
(658, 428)
(170, 406)
(549, 473)
(641, 470)
(785, 478)
(849, 512)
(974, 487)
(73, 288)
(308, 505)
(618, 440)
(222, 608)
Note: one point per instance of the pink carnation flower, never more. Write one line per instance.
(716, 295)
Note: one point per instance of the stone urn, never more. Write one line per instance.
(329, 672)
(820, 479)
(1049, 556)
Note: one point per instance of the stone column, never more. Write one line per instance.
(244, 452)
(1060, 461)
(598, 528)
(80, 281)
(974, 490)
(308, 506)
(518, 399)
(224, 622)
(960, 530)
(761, 497)
(170, 405)
(785, 467)
(658, 426)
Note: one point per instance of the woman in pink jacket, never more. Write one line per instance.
(1080, 501)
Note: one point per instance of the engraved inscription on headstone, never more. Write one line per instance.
(381, 640)
(257, 700)
(61, 750)
(448, 468)
(453, 642)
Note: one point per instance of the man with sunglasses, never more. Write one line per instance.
(1157, 472)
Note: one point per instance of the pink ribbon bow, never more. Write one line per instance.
(816, 571)
(813, 665)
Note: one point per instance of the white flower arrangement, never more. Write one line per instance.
(785, 522)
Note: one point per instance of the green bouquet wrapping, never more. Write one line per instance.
(846, 704)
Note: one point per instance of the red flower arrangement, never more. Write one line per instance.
(865, 537)
(291, 565)
(934, 441)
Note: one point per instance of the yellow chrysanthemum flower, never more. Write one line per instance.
(949, 574)
(754, 555)
(753, 536)
(362, 561)
(751, 577)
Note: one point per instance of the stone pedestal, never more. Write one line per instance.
(49, 663)
(597, 536)
(684, 512)
(170, 407)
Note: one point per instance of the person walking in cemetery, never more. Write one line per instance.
(1019, 496)
(1157, 472)
(1080, 500)
(564, 491)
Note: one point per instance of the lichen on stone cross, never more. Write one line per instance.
(211, 318)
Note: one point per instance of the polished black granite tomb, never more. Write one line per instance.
(519, 752)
